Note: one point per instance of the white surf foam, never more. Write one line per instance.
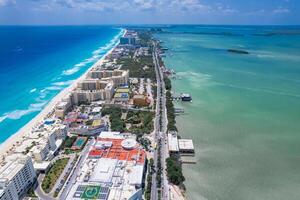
(32, 90)
(96, 54)
(63, 83)
(54, 88)
(71, 71)
(2, 118)
(17, 114)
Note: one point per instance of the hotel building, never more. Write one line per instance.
(16, 176)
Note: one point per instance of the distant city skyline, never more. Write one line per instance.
(64, 12)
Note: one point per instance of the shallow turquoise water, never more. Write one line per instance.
(244, 118)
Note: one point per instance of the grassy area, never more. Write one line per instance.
(53, 174)
(142, 122)
(115, 113)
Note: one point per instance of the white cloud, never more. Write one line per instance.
(145, 4)
(281, 10)
(6, 2)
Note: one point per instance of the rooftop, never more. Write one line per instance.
(116, 151)
(186, 144)
(11, 168)
(173, 142)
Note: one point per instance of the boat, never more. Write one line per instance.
(185, 97)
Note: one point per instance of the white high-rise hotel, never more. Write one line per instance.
(15, 178)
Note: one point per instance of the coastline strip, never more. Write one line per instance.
(13, 139)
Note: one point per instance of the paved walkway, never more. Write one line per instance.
(39, 191)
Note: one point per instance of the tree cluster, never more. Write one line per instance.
(174, 171)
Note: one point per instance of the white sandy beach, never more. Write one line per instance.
(18, 136)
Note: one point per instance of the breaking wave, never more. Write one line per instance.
(17, 114)
(96, 54)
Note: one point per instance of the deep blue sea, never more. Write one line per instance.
(37, 62)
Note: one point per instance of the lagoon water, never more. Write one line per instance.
(36, 62)
(244, 118)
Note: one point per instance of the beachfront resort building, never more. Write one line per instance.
(90, 90)
(117, 76)
(16, 176)
(99, 85)
(114, 169)
(63, 106)
(48, 138)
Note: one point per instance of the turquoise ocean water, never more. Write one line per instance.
(36, 62)
(244, 118)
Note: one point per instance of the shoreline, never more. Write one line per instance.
(17, 136)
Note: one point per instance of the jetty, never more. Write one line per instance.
(182, 97)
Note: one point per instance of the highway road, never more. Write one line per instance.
(76, 170)
(160, 131)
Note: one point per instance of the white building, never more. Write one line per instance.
(16, 176)
(186, 147)
(63, 106)
(173, 142)
(47, 141)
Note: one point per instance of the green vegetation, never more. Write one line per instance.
(174, 171)
(141, 67)
(115, 113)
(168, 84)
(28, 148)
(30, 193)
(142, 122)
(145, 142)
(149, 179)
(159, 167)
(89, 122)
(170, 112)
(69, 142)
(145, 38)
(53, 174)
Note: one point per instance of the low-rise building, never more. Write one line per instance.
(114, 169)
(173, 142)
(186, 147)
(140, 100)
(16, 176)
(122, 95)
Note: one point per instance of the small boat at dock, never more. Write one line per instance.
(185, 97)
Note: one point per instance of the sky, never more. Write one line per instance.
(78, 12)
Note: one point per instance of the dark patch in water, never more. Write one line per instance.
(237, 51)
